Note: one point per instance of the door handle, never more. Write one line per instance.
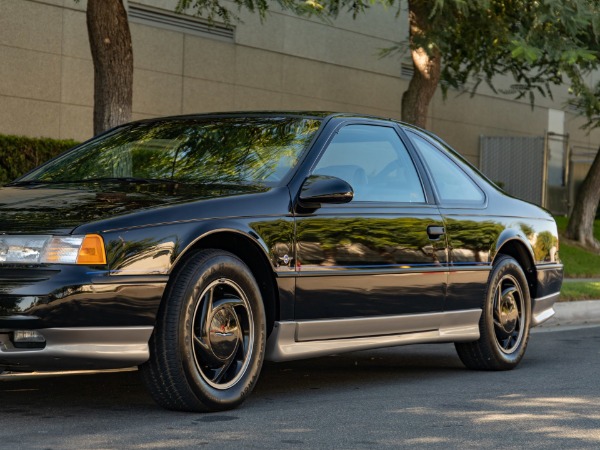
(434, 231)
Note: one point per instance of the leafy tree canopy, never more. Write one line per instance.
(586, 99)
(215, 10)
(538, 42)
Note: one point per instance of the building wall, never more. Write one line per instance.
(46, 74)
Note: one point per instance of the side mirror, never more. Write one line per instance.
(318, 189)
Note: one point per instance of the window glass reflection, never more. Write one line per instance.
(373, 160)
(228, 150)
(452, 184)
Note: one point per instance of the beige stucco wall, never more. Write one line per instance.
(46, 74)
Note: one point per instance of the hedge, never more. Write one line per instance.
(20, 154)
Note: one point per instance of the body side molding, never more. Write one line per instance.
(312, 338)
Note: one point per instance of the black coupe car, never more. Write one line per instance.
(195, 247)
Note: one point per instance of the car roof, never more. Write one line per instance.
(265, 114)
(317, 115)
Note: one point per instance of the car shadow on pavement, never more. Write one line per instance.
(72, 394)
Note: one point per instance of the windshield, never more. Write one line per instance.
(196, 151)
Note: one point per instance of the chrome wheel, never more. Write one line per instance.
(504, 322)
(223, 330)
(208, 344)
(508, 314)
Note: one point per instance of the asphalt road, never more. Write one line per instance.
(407, 397)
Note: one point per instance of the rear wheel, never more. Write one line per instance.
(207, 349)
(504, 323)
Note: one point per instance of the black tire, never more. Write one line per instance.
(208, 344)
(504, 323)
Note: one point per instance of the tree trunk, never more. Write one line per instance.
(581, 222)
(426, 67)
(112, 53)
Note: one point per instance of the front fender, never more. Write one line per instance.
(155, 250)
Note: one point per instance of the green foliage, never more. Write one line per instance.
(19, 154)
(586, 99)
(536, 43)
(530, 41)
(580, 290)
(578, 262)
(226, 12)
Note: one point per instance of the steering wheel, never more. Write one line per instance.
(388, 169)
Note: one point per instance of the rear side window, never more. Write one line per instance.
(451, 183)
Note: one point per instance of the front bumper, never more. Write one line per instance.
(79, 349)
(89, 319)
(549, 282)
(543, 308)
(75, 296)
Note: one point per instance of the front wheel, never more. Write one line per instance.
(504, 323)
(207, 349)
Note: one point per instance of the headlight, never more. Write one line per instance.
(88, 249)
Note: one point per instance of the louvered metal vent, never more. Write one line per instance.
(161, 18)
(575, 108)
(406, 70)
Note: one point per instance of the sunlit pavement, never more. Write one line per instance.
(412, 397)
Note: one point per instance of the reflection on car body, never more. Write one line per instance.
(197, 246)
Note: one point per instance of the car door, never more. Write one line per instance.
(384, 253)
(471, 231)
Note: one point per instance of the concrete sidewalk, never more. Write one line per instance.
(581, 280)
(585, 312)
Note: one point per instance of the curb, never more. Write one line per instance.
(581, 280)
(585, 312)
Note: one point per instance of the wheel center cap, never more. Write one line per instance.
(223, 333)
(509, 313)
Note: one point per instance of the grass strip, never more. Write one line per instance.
(579, 263)
(580, 290)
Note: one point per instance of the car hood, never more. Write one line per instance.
(58, 209)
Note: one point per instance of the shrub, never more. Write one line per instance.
(20, 154)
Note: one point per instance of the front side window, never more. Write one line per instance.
(222, 150)
(452, 184)
(375, 162)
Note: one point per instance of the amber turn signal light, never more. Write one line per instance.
(92, 250)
